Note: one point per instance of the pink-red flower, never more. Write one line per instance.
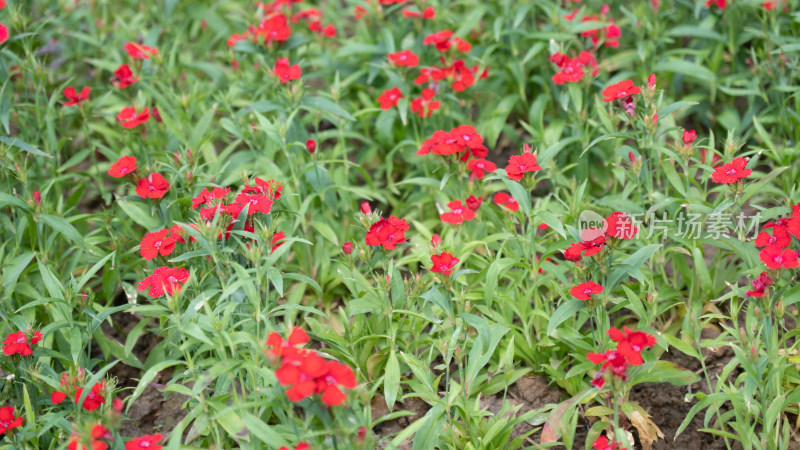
(780, 237)
(443, 263)
(124, 166)
(297, 337)
(390, 98)
(760, 285)
(129, 118)
(388, 233)
(518, 165)
(123, 77)
(503, 199)
(617, 225)
(140, 51)
(425, 106)
(8, 420)
(620, 90)
(775, 257)
(689, 137)
(612, 359)
(405, 58)
(20, 343)
(458, 213)
(157, 243)
(286, 72)
(74, 98)
(152, 186)
(631, 343)
(147, 442)
(584, 291)
(731, 172)
(94, 398)
(164, 279)
(602, 443)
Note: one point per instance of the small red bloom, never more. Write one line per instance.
(721, 4)
(689, 137)
(424, 106)
(779, 237)
(302, 445)
(128, 117)
(778, 258)
(259, 203)
(123, 77)
(732, 172)
(602, 443)
(390, 98)
(365, 208)
(584, 291)
(311, 146)
(18, 343)
(631, 343)
(277, 240)
(503, 199)
(124, 166)
(8, 421)
(147, 442)
(518, 165)
(443, 263)
(458, 214)
(274, 28)
(618, 226)
(157, 243)
(479, 166)
(388, 233)
(139, 51)
(760, 285)
(610, 359)
(164, 280)
(429, 13)
(474, 203)
(73, 98)
(152, 186)
(285, 72)
(359, 12)
(405, 58)
(620, 90)
(347, 248)
(94, 398)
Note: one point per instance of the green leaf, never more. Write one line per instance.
(23, 146)
(60, 225)
(149, 376)
(564, 311)
(315, 103)
(492, 277)
(663, 372)
(522, 196)
(138, 214)
(391, 380)
(90, 273)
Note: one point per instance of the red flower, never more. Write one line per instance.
(584, 291)
(328, 384)
(503, 199)
(3, 33)
(405, 58)
(359, 12)
(128, 117)
(779, 237)
(610, 359)
(479, 166)
(760, 285)
(207, 196)
(57, 397)
(123, 77)
(152, 186)
(271, 188)
(721, 4)
(124, 166)
(274, 28)
(443, 263)
(572, 70)
(459, 213)
(689, 137)
(518, 165)
(631, 343)
(602, 443)
(462, 139)
(259, 203)
(390, 98)
(164, 280)
(474, 203)
(94, 398)
(424, 106)
(387, 232)
(311, 146)
(277, 240)
(429, 13)
(157, 243)
(147, 442)
(139, 51)
(329, 31)
(776, 257)
(365, 208)
(285, 72)
(297, 337)
(8, 421)
(302, 445)
(18, 344)
(347, 248)
(732, 172)
(74, 98)
(620, 90)
(618, 226)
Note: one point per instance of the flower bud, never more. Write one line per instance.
(37, 198)
(365, 209)
(311, 146)
(347, 248)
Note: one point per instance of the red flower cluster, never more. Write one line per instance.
(69, 384)
(92, 441)
(458, 73)
(760, 285)
(301, 445)
(405, 58)
(8, 420)
(462, 140)
(478, 168)
(731, 172)
(629, 351)
(20, 343)
(428, 13)
(503, 199)
(388, 233)
(602, 443)
(572, 70)
(424, 106)
(140, 51)
(444, 40)
(443, 263)
(123, 77)
(610, 34)
(306, 372)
